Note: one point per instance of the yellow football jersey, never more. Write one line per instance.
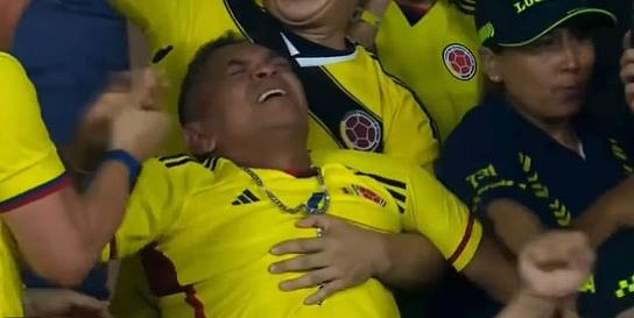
(29, 169)
(205, 231)
(436, 56)
(354, 104)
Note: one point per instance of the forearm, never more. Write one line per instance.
(493, 272)
(101, 207)
(62, 234)
(409, 261)
(597, 222)
(525, 305)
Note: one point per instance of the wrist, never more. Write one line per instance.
(377, 7)
(381, 264)
(132, 164)
(535, 303)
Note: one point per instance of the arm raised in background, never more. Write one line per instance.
(61, 233)
(365, 27)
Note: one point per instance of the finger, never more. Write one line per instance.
(85, 302)
(147, 89)
(309, 280)
(629, 95)
(119, 82)
(627, 57)
(324, 292)
(627, 73)
(320, 221)
(300, 263)
(627, 43)
(108, 105)
(556, 247)
(299, 246)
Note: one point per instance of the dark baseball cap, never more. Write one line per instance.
(516, 23)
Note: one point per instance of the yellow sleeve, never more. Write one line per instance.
(29, 164)
(153, 207)
(411, 133)
(441, 217)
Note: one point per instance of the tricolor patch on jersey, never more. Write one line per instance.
(460, 62)
(360, 131)
(365, 193)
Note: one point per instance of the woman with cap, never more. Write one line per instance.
(527, 159)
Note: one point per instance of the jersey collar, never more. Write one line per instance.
(309, 54)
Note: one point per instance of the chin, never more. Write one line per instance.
(297, 12)
(564, 112)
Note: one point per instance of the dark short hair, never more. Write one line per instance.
(197, 74)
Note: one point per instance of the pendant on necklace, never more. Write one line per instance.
(315, 204)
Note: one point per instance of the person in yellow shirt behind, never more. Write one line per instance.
(43, 221)
(204, 226)
(432, 46)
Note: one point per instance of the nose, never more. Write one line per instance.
(570, 52)
(265, 70)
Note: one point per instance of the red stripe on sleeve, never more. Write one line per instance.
(35, 194)
(464, 241)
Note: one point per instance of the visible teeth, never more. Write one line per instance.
(274, 92)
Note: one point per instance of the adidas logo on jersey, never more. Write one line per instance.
(245, 197)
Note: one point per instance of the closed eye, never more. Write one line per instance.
(236, 68)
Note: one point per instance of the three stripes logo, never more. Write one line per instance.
(176, 160)
(246, 197)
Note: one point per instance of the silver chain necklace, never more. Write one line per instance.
(318, 203)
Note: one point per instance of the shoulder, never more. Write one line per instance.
(17, 94)
(178, 168)
(11, 72)
(485, 127)
(486, 137)
(388, 171)
(9, 63)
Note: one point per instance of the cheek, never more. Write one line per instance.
(587, 59)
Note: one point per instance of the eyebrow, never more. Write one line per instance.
(235, 62)
(271, 55)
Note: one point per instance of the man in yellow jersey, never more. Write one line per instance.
(353, 103)
(204, 231)
(43, 220)
(432, 46)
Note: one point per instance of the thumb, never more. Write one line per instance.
(627, 40)
(78, 300)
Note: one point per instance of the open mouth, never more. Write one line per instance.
(272, 93)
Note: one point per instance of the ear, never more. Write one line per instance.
(491, 63)
(197, 140)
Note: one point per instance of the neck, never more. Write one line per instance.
(326, 36)
(562, 130)
(275, 155)
(10, 14)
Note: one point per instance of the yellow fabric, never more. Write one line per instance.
(185, 25)
(416, 55)
(28, 160)
(218, 240)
